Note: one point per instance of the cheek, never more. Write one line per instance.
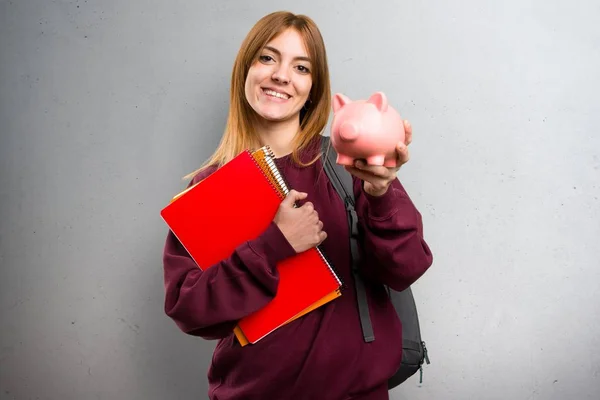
(249, 79)
(253, 75)
(248, 88)
(259, 72)
(252, 80)
(305, 86)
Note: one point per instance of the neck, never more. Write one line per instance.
(279, 135)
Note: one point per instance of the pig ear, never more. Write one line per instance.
(339, 101)
(380, 101)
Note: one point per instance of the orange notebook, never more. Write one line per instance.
(235, 204)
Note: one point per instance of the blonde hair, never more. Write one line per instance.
(239, 133)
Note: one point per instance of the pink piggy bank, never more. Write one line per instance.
(366, 129)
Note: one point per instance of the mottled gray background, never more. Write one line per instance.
(104, 105)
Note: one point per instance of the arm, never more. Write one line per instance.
(391, 232)
(209, 303)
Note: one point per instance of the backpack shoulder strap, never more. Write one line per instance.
(339, 177)
(414, 350)
(343, 184)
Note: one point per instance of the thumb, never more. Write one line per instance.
(293, 196)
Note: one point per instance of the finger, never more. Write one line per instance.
(403, 153)
(311, 218)
(322, 237)
(293, 196)
(309, 207)
(377, 170)
(365, 176)
(320, 225)
(357, 172)
(407, 132)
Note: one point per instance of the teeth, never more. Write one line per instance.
(274, 93)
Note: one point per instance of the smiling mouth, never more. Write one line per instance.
(279, 95)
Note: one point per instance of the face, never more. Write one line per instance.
(279, 82)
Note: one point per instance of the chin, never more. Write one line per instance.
(275, 116)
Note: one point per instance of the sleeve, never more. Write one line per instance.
(391, 230)
(209, 303)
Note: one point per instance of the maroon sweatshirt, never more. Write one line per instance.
(321, 355)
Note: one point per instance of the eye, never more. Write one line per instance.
(266, 58)
(303, 69)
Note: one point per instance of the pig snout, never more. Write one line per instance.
(348, 131)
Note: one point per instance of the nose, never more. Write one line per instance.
(348, 131)
(281, 76)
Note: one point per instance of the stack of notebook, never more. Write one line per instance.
(235, 204)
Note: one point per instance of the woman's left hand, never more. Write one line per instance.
(376, 178)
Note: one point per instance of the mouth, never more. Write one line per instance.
(274, 93)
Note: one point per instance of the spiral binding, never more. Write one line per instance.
(332, 269)
(264, 157)
(260, 158)
(278, 177)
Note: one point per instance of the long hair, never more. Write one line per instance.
(240, 133)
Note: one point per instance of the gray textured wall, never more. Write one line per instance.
(104, 105)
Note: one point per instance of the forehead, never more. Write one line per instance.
(289, 43)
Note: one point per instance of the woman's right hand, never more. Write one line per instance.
(300, 226)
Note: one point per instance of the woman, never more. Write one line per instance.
(280, 96)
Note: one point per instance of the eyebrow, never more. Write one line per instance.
(274, 50)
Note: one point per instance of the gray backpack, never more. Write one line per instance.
(414, 352)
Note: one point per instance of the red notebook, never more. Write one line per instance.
(235, 204)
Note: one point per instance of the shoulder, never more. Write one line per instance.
(202, 174)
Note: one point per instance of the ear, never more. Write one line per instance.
(339, 101)
(380, 101)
